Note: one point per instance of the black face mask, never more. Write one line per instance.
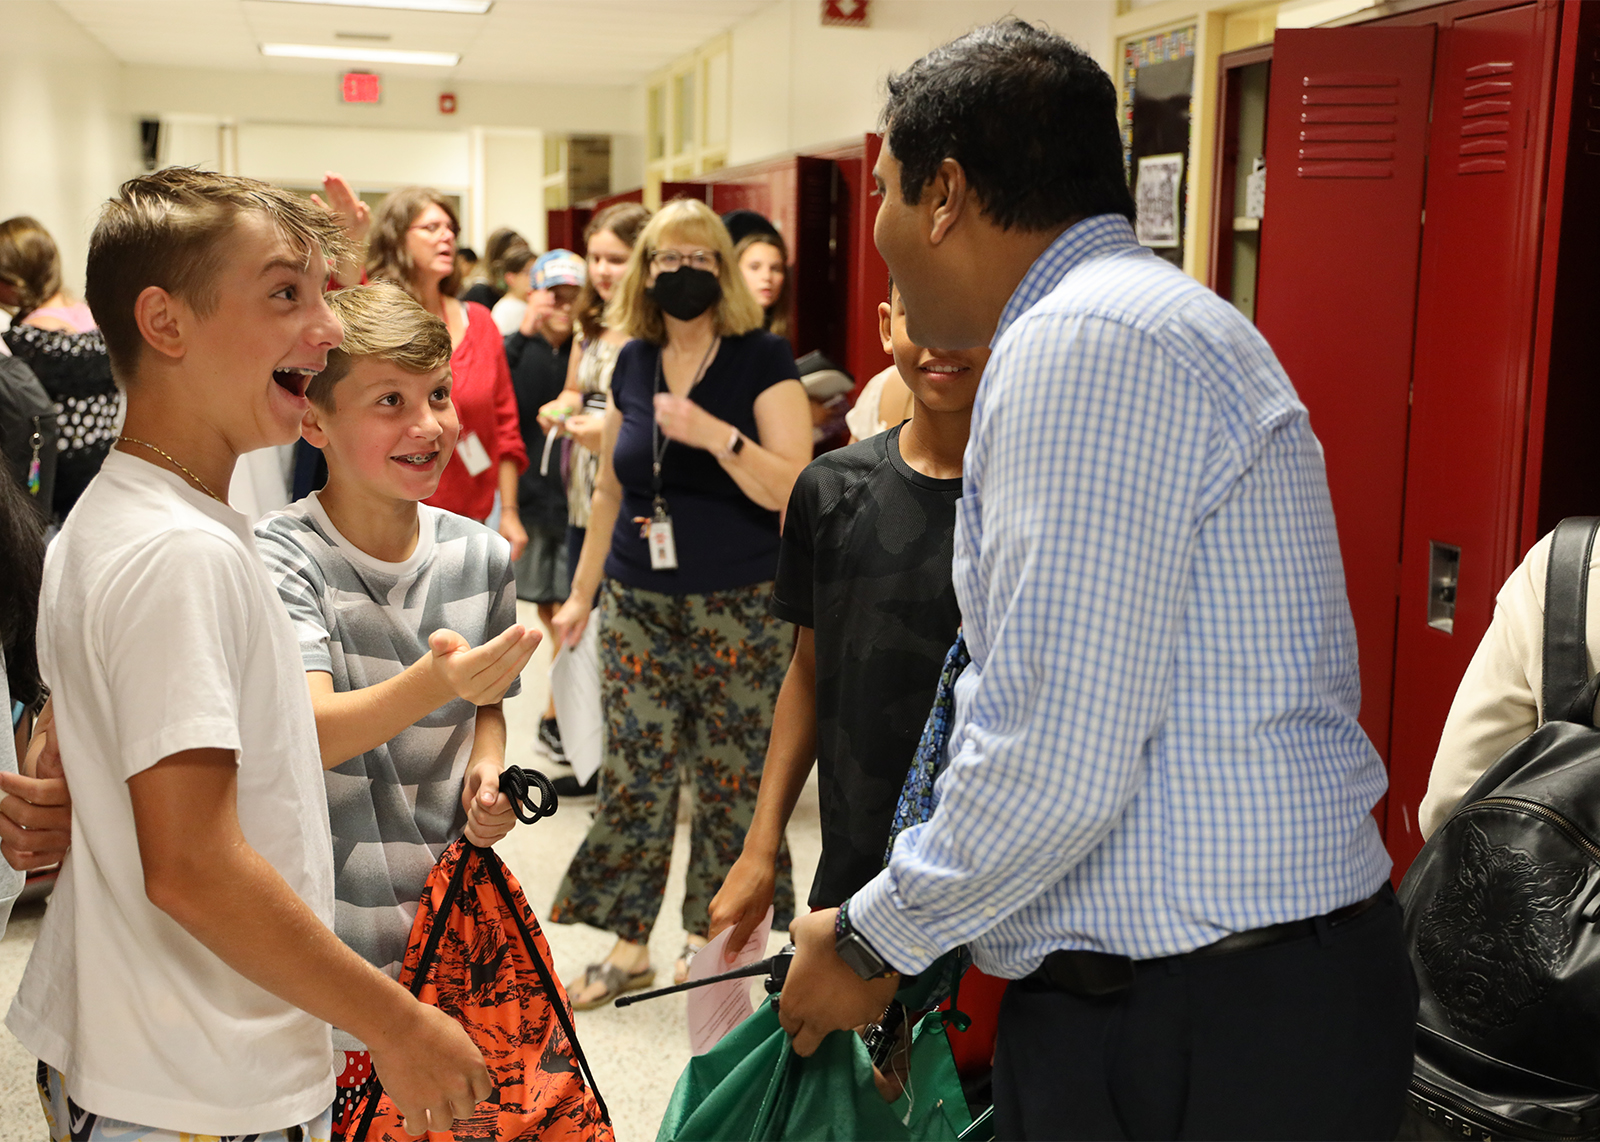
(686, 292)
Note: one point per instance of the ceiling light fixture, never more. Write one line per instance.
(458, 7)
(361, 55)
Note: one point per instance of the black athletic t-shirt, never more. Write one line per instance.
(865, 562)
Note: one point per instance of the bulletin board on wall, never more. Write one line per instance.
(1157, 91)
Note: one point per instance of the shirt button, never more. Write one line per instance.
(918, 952)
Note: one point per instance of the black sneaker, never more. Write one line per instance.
(550, 739)
(568, 786)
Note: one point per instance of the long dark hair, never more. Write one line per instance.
(21, 566)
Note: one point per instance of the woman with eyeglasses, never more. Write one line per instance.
(413, 244)
(706, 431)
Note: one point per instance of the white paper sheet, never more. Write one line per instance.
(718, 1008)
(575, 684)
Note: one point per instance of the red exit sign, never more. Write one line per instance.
(361, 87)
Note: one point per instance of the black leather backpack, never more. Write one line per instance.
(1502, 912)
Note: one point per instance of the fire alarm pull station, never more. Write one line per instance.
(447, 103)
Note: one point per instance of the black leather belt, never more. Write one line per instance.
(1095, 974)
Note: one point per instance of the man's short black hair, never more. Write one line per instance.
(1031, 118)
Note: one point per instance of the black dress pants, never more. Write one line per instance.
(1310, 1038)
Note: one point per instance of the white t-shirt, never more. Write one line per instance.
(159, 632)
(507, 314)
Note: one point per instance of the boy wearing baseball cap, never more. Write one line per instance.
(538, 354)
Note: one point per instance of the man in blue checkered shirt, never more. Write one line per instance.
(1156, 812)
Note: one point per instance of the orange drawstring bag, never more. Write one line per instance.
(476, 953)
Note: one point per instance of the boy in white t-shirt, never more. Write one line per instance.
(185, 974)
(387, 595)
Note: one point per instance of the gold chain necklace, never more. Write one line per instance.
(198, 481)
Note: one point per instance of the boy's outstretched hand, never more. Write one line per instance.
(489, 812)
(482, 675)
(36, 811)
(430, 1070)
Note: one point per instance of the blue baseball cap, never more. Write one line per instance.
(558, 268)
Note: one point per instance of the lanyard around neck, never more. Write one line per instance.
(658, 443)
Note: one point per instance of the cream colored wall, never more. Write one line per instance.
(796, 84)
(66, 139)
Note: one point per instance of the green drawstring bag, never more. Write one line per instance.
(752, 1086)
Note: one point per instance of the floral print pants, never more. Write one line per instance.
(688, 686)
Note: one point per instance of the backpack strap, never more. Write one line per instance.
(1566, 615)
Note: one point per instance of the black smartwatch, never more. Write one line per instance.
(854, 950)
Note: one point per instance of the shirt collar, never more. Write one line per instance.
(1093, 237)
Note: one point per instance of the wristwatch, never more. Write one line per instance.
(854, 950)
(735, 444)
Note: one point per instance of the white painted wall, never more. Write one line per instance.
(508, 184)
(796, 84)
(408, 101)
(66, 140)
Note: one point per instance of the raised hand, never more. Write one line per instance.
(354, 215)
(482, 675)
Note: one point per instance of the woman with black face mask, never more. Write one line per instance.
(706, 432)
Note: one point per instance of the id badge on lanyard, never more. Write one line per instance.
(657, 530)
(658, 533)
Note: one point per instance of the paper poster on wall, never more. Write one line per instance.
(1158, 83)
(1158, 194)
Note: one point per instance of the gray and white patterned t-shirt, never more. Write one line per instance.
(395, 808)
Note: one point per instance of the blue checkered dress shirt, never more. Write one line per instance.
(1156, 742)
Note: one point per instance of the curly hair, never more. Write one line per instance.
(387, 256)
(1031, 118)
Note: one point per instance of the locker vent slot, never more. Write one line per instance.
(1485, 118)
(1347, 127)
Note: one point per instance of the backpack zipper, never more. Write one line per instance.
(1487, 1121)
(1522, 804)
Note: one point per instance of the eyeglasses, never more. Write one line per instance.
(665, 261)
(433, 229)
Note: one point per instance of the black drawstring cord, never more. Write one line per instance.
(517, 784)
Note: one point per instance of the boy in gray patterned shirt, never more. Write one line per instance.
(406, 618)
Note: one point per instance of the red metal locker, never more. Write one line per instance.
(1347, 127)
(1472, 376)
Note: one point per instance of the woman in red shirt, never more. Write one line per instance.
(414, 245)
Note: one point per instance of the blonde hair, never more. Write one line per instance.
(29, 263)
(687, 220)
(170, 229)
(380, 321)
(387, 256)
